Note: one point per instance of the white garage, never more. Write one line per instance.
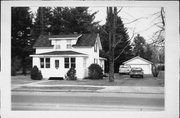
(140, 62)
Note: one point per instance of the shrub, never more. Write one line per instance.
(36, 73)
(71, 74)
(95, 72)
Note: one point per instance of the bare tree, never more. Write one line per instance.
(112, 17)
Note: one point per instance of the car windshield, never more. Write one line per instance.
(124, 67)
(136, 70)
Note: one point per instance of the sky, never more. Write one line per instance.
(143, 26)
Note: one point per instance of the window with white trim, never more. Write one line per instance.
(69, 62)
(73, 62)
(66, 62)
(41, 62)
(68, 44)
(47, 62)
(44, 62)
(95, 47)
(95, 60)
(56, 64)
(57, 45)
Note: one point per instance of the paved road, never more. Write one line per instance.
(86, 101)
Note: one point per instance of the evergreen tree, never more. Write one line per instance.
(122, 44)
(43, 22)
(64, 20)
(148, 53)
(139, 45)
(20, 37)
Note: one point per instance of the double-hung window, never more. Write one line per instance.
(73, 62)
(66, 62)
(68, 45)
(95, 47)
(42, 62)
(45, 62)
(69, 62)
(57, 45)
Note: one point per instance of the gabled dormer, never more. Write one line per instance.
(64, 42)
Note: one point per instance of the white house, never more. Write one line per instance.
(56, 54)
(140, 62)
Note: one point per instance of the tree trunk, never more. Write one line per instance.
(112, 35)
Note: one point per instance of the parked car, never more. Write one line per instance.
(124, 69)
(136, 72)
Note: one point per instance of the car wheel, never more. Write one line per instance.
(131, 76)
(142, 76)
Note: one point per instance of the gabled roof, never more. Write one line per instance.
(43, 41)
(83, 40)
(137, 57)
(86, 40)
(59, 53)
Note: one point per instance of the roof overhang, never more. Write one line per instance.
(101, 58)
(43, 47)
(58, 55)
(65, 38)
(137, 57)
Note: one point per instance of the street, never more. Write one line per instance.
(86, 101)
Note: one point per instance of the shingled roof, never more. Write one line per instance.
(43, 41)
(83, 40)
(86, 40)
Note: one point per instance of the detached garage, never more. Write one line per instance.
(140, 62)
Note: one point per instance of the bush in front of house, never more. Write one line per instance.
(71, 74)
(36, 73)
(95, 72)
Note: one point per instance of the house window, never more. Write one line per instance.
(68, 45)
(73, 62)
(56, 64)
(95, 47)
(47, 62)
(69, 62)
(42, 62)
(95, 61)
(66, 63)
(58, 46)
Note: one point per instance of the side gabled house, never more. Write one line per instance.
(56, 54)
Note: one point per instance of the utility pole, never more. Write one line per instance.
(112, 19)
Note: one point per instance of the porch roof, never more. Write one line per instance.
(60, 53)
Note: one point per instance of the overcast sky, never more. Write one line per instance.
(128, 14)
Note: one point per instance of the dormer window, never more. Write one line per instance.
(95, 47)
(58, 46)
(68, 44)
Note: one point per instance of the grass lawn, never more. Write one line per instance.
(67, 88)
(21, 79)
(120, 80)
